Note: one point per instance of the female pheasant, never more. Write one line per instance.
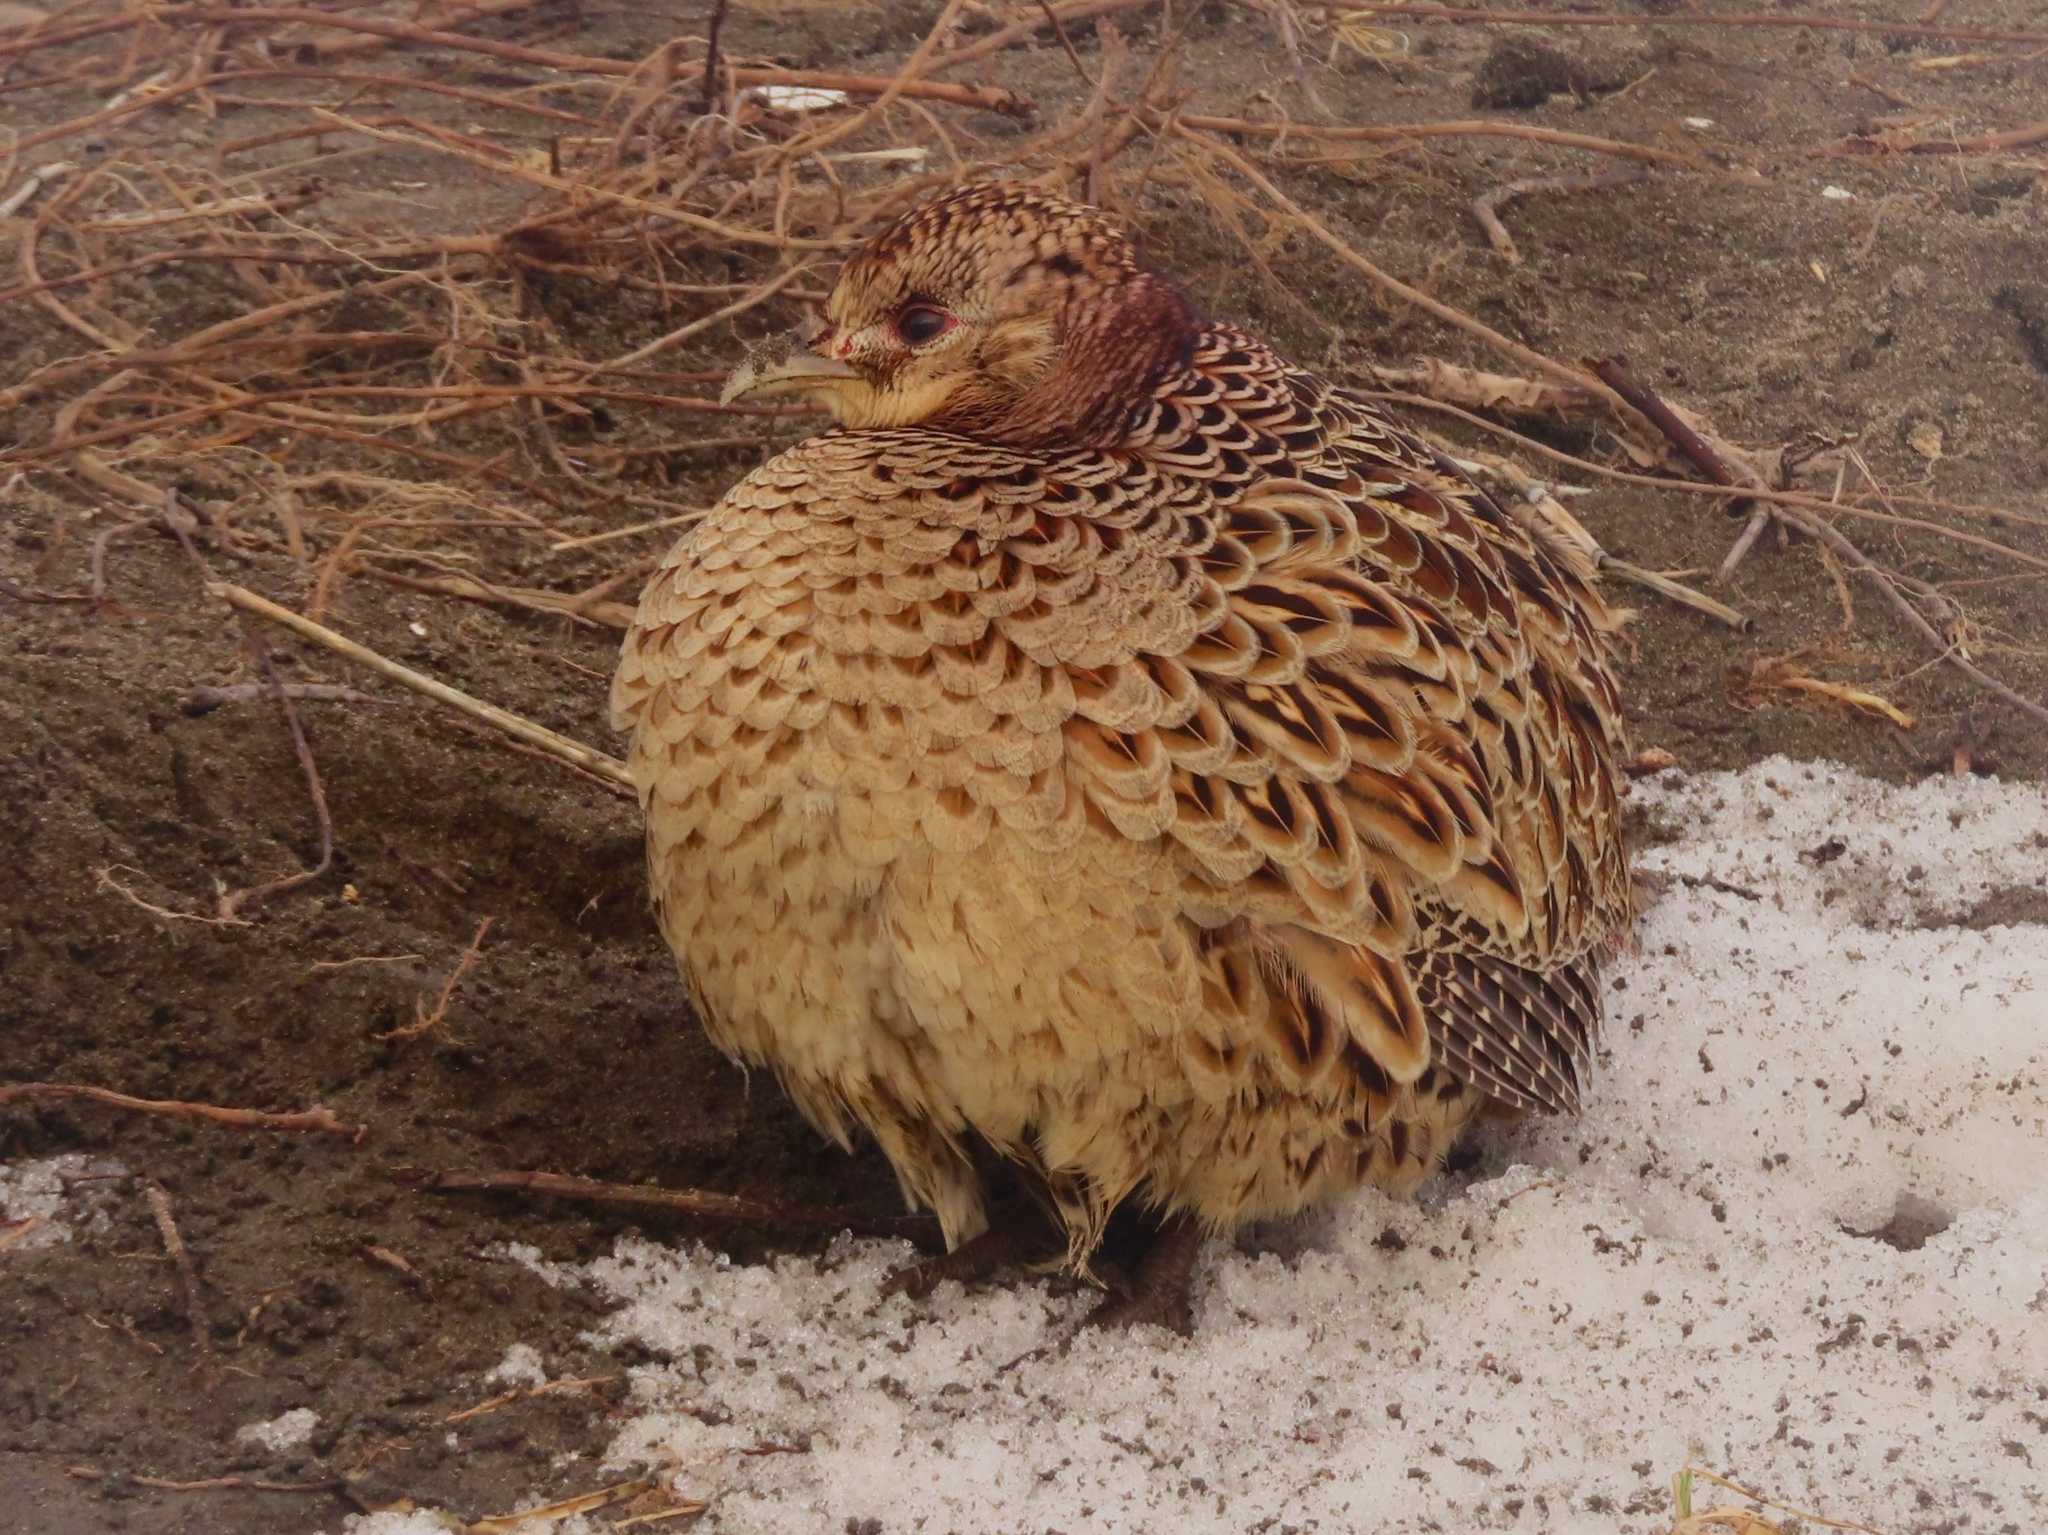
(1116, 751)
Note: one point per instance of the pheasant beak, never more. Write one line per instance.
(788, 364)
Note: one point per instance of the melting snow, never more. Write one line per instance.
(40, 1200)
(521, 1366)
(286, 1431)
(1800, 1234)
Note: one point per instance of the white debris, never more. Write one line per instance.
(1698, 124)
(795, 98)
(912, 156)
(1835, 194)
(434, 1521)
(43, 1202)
(1800, 1235)
(521, 1366)
(419, 1521)
(286, 1431)
(34, 182)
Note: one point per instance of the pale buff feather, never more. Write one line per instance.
(1201, 795)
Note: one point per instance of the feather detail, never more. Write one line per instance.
(1155, 768)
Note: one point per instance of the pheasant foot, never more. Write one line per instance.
(1160, 1289)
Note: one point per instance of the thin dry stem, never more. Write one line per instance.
(701, 1204)
(427, 1019)
(188, 1275)
(597, 763)
(1662, 18)
(307, 1120)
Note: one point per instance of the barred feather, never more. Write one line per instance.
(1145, 760)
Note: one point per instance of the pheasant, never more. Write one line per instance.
(1118, 754)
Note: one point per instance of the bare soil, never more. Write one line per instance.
(1779, 310)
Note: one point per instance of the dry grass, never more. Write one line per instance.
(409, 410)
(1726, 1519)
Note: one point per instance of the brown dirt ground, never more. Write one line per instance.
(568, 1047)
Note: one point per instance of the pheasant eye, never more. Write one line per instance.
(920, 323)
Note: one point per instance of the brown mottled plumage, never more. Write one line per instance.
(1121, 749)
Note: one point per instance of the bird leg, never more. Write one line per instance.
(1018, 1235)
(1160, 1288)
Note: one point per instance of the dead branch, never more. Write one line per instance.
(396, 1263)
(315, 1119)
(1780, 675)
(583, 608)
(757, 295)
(1538, 495)
(1795, 498)
(1684, 596)
(590, 761)
(1486, 209)
(1022, 31)
(1797, 508)
(1478, 127)
(1614, 372)
(709, 97)
(565, 1508)
(104, 878)
(323, 966)
(701, 1204)
(1888, 585)
(1552, 19)
(85, 1473)
(1478, 389)
(659, 524)
(1341, 248)
(174, 1245)
(1744, 542)
(913, 68)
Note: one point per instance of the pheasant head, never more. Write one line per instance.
(998, 312)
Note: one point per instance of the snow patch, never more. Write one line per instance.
(521, 1366)
(286, 1431)
(1799, 1234)
(43, 1202)
(414, 1522)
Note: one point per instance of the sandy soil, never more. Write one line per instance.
(1919, 301)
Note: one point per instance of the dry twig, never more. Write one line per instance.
(188, 1276)
(701, 1204)
(589, 760)
(527, 1394)
(315, 1119)
(1808, 23)
(1486, 209)
(84, 1473)
(427, 1019)
(1614, 372)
